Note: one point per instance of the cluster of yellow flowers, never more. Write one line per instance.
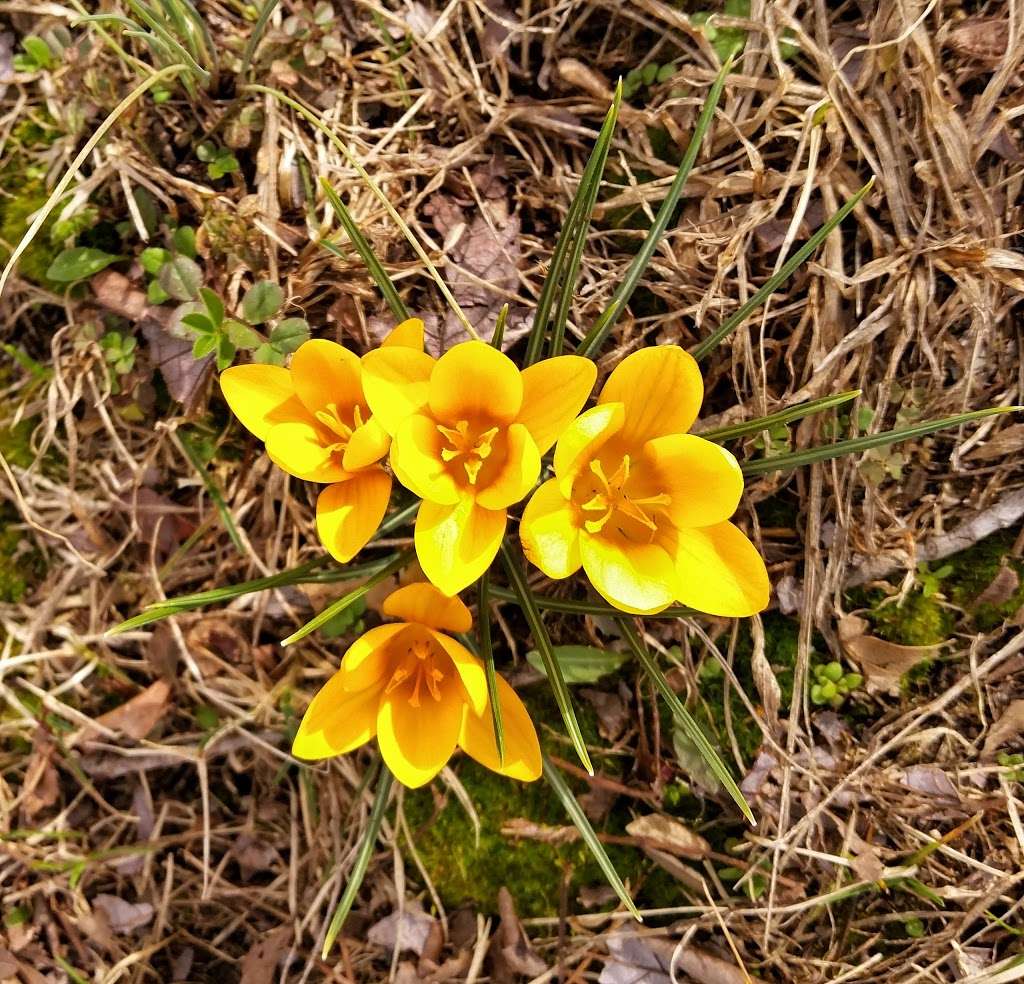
(642, 506)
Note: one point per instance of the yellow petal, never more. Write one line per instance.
(367, 445)
(518, 472)
(456, 544)
(297, 449)
(583, 438)
(554, 391)
(703, 480)
(261, 397)
(348, 513)
(423, 604)
(372, 657)
(661, 389)
(469, 668)
(396, 381)
(549, 533)
(325, 372)
(474, 381)
(719, 571)
(409, 334)
(416, 460)
(336, 721)
(635, 577)
(522, 749)
(416, 742)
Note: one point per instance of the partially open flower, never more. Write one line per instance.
(316, 424)
(643, 506)
(421, 693)
(468, 433)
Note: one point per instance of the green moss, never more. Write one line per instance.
(916, 621)
(20, 568)
(532, 870)
(975, 569)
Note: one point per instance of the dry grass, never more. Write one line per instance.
(186, 810)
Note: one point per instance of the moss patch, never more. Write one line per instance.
(21, 565)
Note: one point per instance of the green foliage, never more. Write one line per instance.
(917, 621)
(580, 664)
(78, 263)
(650, 74)
(36, 55)
(725, 40)
(119, 352)
(929, 580)
(21, 565)
(218, 160)
(261, 302)
(315, 33)
(831, 686)
(74, 225)
(180, 278)
(1012, 762)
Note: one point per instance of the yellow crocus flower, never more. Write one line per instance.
(468, 431)
(316, 424)
(643, 506)
(421, 693)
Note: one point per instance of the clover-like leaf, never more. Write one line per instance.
(181, 278)
(78, 263)
(262, 301)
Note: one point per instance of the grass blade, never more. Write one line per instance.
(565, 261)
(787, 416)
(254, 37)
(211, 488)
(686, 721)
(543, 644)
(483, 617)
(362, 861)
(595, 338)
(557, 782)
(365, 251)
(572, 606)
(499, 328)
(398, 561)
(784, 462)
(785, 272)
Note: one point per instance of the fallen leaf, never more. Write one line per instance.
(185, 376)
(867, 865)
(612, 712)
(930, 780)
(650, 960)
(881, 662)
(669, 834)
(758, 774)
(138, 716)
(405, 930)
(518, 827)
(259, 965)
(254, 856)
(41, 785)
(1008, 727)
(117, 293)
(511, 953)
(183, 964)
(1001, 588)
(124, 917)
(982, 38)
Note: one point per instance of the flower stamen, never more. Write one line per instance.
(472, 450)
(611, 497)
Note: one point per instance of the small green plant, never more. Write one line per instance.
(931, 580)
(37, 55)
(1014, 762)
(650, 74)
(119, 352)
(223, 337)
(774, 441)
(218, 160)
(914, 928)
(831, 685)
(317, 33)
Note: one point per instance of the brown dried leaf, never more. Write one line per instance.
(185, 377)
(124, 917)
(41, 785)
(611, 710)
(1001, 589)
(117, 293)
(982, 38)
(648, 960)
(1008, 727)
(511, 953)
(259, 965)
(405, 930)
(668, 834)
(138, 716)
(881, 662)
(930, 780)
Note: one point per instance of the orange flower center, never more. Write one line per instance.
(422, 669)
(336, 433)
(468, 446)
(610, 500)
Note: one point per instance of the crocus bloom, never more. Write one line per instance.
(643, 506)
(421, 693)
(468, 433)
(315, 422)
